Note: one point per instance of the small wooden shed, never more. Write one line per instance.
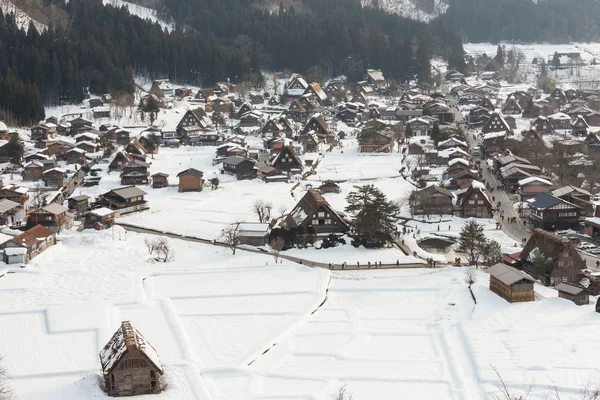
(576, 294)
(511, 284)
(130, 364)
(160, 180)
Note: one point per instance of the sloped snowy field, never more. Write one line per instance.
(233, 327)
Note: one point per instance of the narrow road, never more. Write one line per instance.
(308, 263)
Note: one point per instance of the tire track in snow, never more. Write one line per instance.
(318, 302)
(192, 371)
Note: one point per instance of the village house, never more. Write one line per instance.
(577, 294)
(329, 186)
(89, 147)
(55, 177)
(43, 131)
(511, 284)
(87, 137)
(134, 172)
(475, 202)
(580, 127)
(79, 204)
(161, 88)
(99, 218)
(375, 78)
(240, 167)
(419, 147)
(22, 248)
(494, 142)
(460, 178)
(53, 216)
(33, 171)
(76, 156)
(160, 180)
(552, 213)
(124, 200)
(432, 200)
(15, 193)
(315, 90)
(452, 143)
(314, 211)
(496, 123)
(478, 116)
(533, 138)
(79, 124)
(420, 126)
(287, 160)
(130, 365)
(122, 136)
(120, 158)
(101, 112)
(11, 212)
(272, 174)
(376, 142)
(551, 258)
(59, 149)
(532, 186)
(512, 107)
(560, 121)
(253, 234)
(191, 124)
(295, 86)
(190, 180)
(318, 125)
(578, 196)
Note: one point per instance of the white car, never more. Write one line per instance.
(585, 246)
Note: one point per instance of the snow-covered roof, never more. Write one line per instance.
(126, 338)
(3, 126)
(559, 115)
(101, 212)
(457, 160)
(494, 135)
(534, 179)
(87, 135)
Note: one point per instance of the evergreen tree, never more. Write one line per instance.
(408, 133)
(15, 149)
(491, 253)
(437, 135)
(374, 215)
(472, 241)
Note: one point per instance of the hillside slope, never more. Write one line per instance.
(420, 10)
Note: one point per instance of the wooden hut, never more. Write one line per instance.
(511, 284)
(576, 294)
(130, 364)
(160, 180)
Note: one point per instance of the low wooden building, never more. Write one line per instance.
(253, 234)
(240, 167)
(130, 365)
(576, 294)
(100, 218)
(55, 177)
(432, 200)
(511, 284)
(76, 156)
(28, 244)
(190, 180)
(33, 171)
(160, 180)
(53, 216)
(79, 204)
(329, 186)
(124, 200)
(11, 212)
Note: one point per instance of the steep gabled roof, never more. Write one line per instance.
(125, 339)
(191, 171)
(306, 207)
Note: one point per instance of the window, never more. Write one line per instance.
(471, 201)
(315, 222)
(479, 201)
(321, 214)
(561, 263)
(567, 214)
(327, 222)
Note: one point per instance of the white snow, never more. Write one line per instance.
(140, 11)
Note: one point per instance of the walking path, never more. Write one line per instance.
(309, 263)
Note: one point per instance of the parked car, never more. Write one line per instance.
(585, 246)
(595, 251)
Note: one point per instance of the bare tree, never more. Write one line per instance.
(342, 394)
(277, 244)
(160, 249)
(231, 236)
(282, 210)
(61, 221)
(5, 391)
(262, 209)
(470, 277)
(38, 196)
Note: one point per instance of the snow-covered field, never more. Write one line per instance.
(566, 77)
(244, 327)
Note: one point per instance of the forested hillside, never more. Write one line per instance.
(328, 37)
(558, 21)
(99, 49)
